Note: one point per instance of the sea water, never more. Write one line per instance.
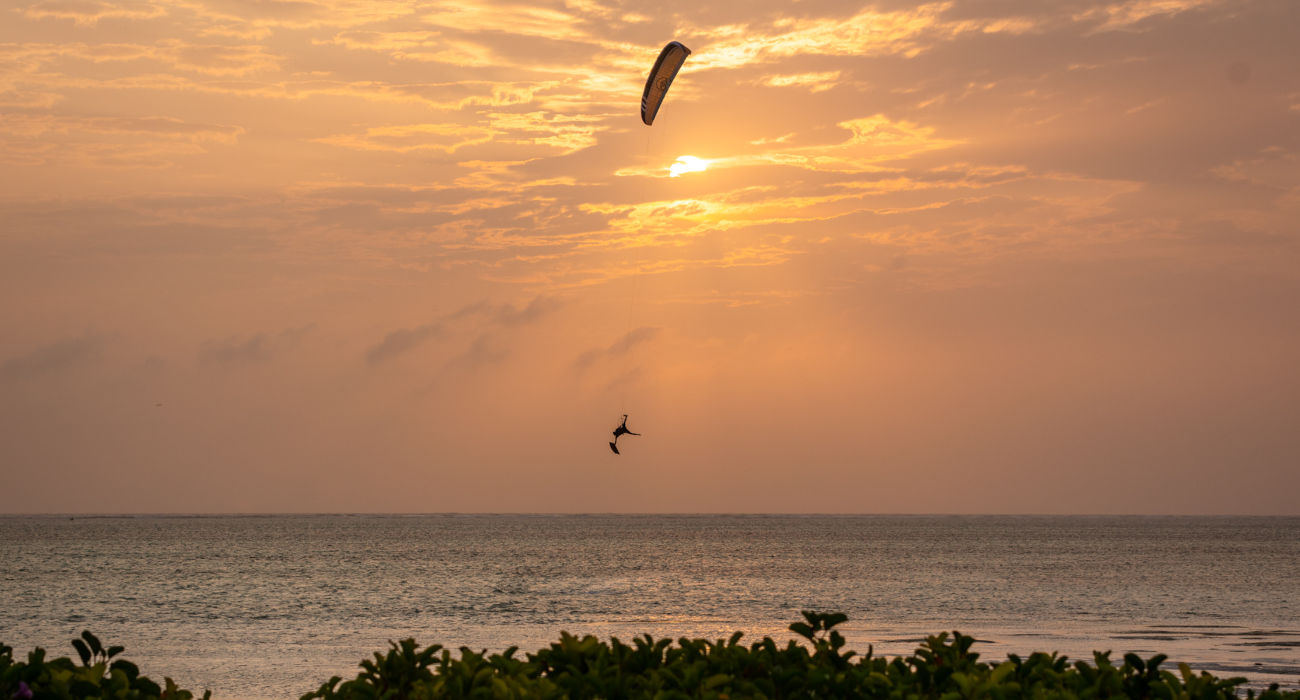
(258, 607)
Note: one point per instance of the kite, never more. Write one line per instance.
(661, 76)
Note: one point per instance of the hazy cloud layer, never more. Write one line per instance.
(1016, 242)
(252, 349)
(616, 349)
(404, 340)
(52, 358)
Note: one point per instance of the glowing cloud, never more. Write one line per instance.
(924, 208)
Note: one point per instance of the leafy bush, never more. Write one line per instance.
(943, 668)
(98, 676)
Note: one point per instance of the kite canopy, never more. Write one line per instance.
(661, 76)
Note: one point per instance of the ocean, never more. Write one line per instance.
(257, 607)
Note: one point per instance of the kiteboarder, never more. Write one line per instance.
(621, 430)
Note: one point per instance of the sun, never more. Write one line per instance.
(687, 164)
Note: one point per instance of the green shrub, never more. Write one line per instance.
(943, 668)
(98, 676)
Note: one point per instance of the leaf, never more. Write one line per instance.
(147, 688)
(715, 680)
(93, 641)
(1135, 661)
(82, 650)
(1002, 671)
(130, 669)
(1156, 660)
(83, 689)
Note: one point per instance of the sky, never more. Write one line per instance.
(990, 256)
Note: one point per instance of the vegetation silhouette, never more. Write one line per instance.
(815, 666)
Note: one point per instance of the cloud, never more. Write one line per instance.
(382, 163)
(216, 59)
(508, 315)
(403, 340)
(237, 350)
(816, 82)
(90, 12)
(521, 20)
(1125, 15)
(258, 17)
(487, 349)
(144, 141)
(618, 348)
(870, 32)
(569, 133)
(484, 348)
(407, 138)
(56, 357)
(201, 57)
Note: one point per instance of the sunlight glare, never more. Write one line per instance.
(687, 164)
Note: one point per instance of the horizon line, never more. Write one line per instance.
(414, 514)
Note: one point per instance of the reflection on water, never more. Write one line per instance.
(270, 606)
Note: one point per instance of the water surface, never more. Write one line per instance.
(271, 606)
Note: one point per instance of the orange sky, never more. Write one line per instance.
(992, 256)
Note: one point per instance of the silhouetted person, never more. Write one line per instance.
(621, 430)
